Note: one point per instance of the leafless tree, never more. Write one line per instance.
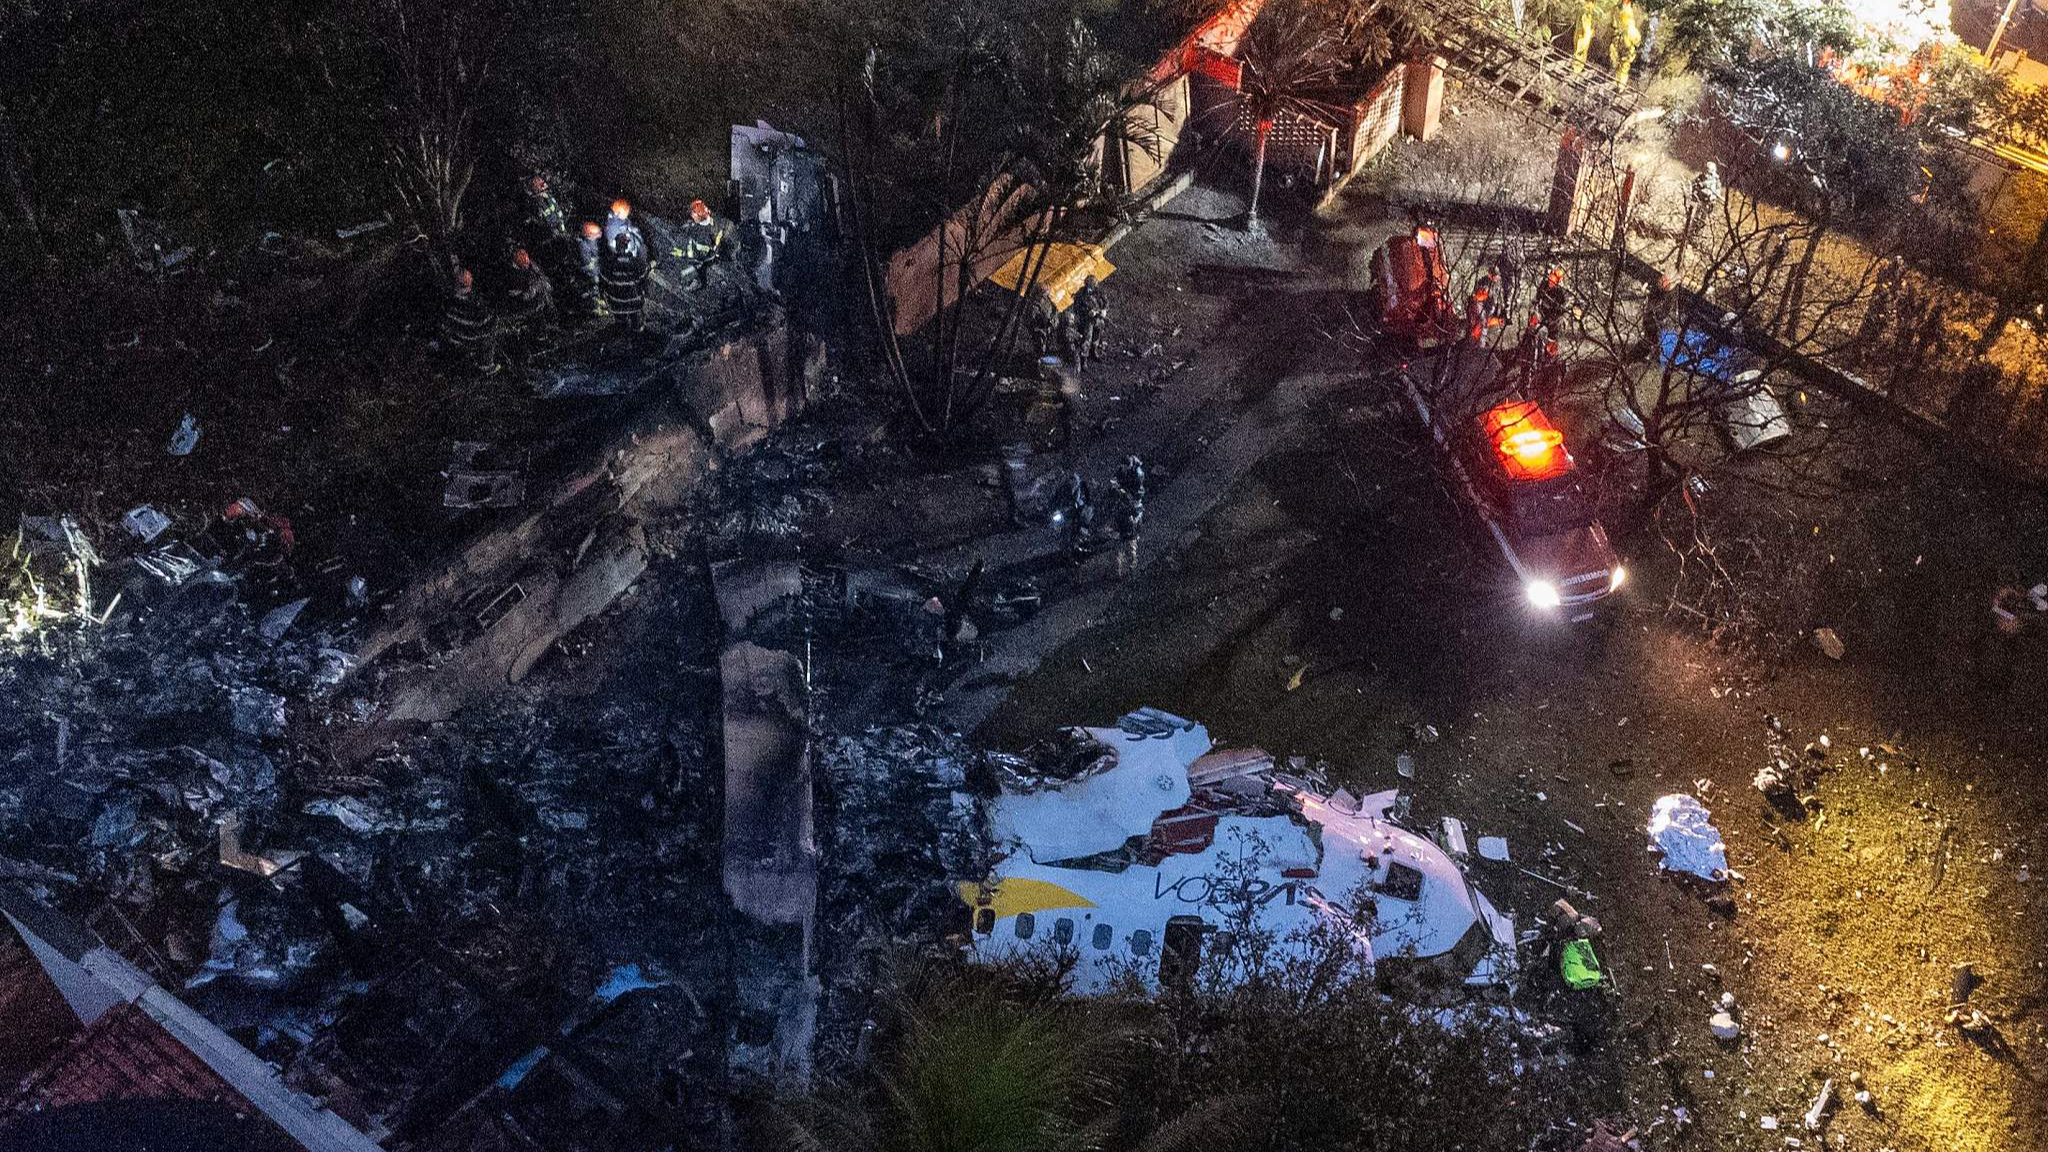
(985, 126)
(438, 58)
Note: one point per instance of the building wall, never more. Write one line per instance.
(1376, 119)
(1296, 144)
(1164, 119)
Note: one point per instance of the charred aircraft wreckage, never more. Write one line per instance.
(1129, 852)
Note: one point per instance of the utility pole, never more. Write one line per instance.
(1998, 33)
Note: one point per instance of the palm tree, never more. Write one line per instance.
(975, 1067)
(1290, 60)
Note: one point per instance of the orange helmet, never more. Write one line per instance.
(522, 259)
(698, 211)
(621, 209)
(464, 281)
(538, 184)
(1554, 276)
(1479, 293)
(591, 231)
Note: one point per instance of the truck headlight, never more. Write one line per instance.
(1619, 578)
(1543, 594)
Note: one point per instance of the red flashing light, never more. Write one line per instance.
(1529, 446)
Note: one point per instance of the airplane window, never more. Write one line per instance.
(1063, 931)
(1026, 925)
(1141, 943)
(985, 921)
(1101, 938)
(1402, 882)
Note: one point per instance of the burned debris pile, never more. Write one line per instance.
(397, 931)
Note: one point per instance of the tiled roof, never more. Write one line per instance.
(125, 1055)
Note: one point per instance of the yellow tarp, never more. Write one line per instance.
(1066, 266)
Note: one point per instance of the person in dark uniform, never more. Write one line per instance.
(1044, 317)
(544, 213)
(590, 270)
(1130, 515)
(624, 276)
(703, 240)
(468, 327)
(1550, 300)
(530, 302)
(1090, 315)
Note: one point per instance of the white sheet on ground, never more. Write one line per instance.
(1680, 829)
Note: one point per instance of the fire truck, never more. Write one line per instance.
(1511, 467)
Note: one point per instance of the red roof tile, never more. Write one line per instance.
(125, 1055)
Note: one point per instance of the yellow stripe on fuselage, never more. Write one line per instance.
(1015, 894)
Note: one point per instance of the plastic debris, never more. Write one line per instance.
(1579, 965)
(1493, 847)
(145, 522)
(278, 620)
(1817, 1116)
(1680, 829)
(186, 438)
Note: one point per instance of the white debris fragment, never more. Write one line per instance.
(1493, 847)
(1680, 829)
(1724, 1026)
(145, 523)
(1817, 1116)
(1768, 1123)
(185, 437)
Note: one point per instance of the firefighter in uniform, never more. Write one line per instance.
(1044, 317)
(1550, 300)
(620, 221)
(1627, 42)
(1582, 39)
(530, 299)
(468, 327)
(549, 224)
(590, 270)
(1480, 313)
(1529, 351)
(705, 240)
(625, 271)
